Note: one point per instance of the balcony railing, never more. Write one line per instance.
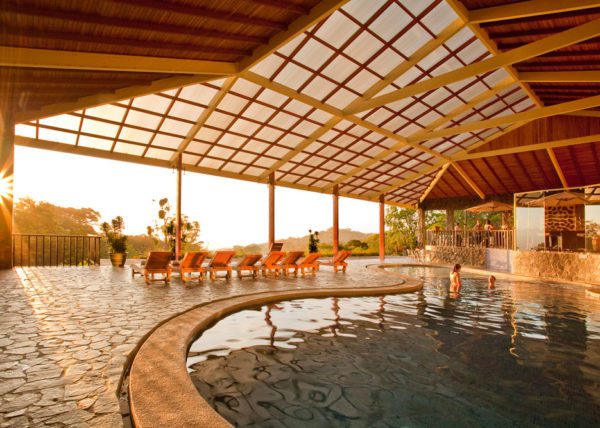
(493, 239)
(55, 250)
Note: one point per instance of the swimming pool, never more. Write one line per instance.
(524, 354)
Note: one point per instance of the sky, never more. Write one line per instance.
(230, 212)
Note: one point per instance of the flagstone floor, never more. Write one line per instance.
(66, 334)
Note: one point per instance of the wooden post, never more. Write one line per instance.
(336, 225)
(381, 228)
(449, 219)
(7, 159)
(421, 227)
(271, 209)
(178, 208)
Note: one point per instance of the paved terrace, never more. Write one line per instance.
(66, 333)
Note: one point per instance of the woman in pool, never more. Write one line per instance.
(492, 282)
(455, 282)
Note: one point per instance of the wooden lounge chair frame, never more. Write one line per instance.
(338, 261)
(158, 262)
(309, 262)
(192, 263)
(270, 263)
(290, 261)
(221, 263)
(249, 263)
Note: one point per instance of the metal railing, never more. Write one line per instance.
(493, 239)
(55, 250)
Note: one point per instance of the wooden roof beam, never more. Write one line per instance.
(528, 8)
(204, 116)
(528, 115)
(435, 124)
(437, 178)
(111, 97)
(469, 180)
(94, 19)
(46, 58)
(318, 133)
(318, 13)
(531, 147)
(226, 17)
(560, 76)
(569, 37)
(557, 167)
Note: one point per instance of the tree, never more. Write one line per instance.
(402, 224)
(165, 227)
(45, 218)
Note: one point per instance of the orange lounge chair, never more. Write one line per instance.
(158, 262)
(220, 263)
(276, 246)
(249, 263)
(192, 263)
(290, 261)
(338, 261)
(310, 262)
(270, 263)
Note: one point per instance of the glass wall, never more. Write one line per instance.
(559, 220)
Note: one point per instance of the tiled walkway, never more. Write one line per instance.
(65, 334)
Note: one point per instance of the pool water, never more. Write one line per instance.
(524, 354)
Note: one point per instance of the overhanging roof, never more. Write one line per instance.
(371, 97)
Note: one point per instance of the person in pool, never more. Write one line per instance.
(491, 282)
(455, 282)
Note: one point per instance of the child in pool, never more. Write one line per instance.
(491, 282)
(455, 282)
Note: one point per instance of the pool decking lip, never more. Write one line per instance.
(161, 359)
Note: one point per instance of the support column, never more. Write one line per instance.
(336, 216)
(381, 228)
(449, 219)
(7, 159)
(271, 209)
(178, 212)
(421, 238)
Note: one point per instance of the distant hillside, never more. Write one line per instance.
(301, 243)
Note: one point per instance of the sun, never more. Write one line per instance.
(6, 187)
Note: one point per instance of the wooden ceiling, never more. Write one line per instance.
(409, 101)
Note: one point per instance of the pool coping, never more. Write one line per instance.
(161, 358)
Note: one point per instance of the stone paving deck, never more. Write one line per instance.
(66, 334)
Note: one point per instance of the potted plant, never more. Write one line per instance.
(116, 240)
(313, 241)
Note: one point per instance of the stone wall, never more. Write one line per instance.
(549, 264)
(468, 256)
(564, 218)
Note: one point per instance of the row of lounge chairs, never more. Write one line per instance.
(275, 263)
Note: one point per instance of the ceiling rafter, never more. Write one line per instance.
(528, 8)
(437, 178)
(313, 102)
(491, 46)
(469, 180)
(318, 133)
(318, 13)
(414, 59)
(532, 147)
(55, 59)
(553, 110)
(557, 167)
(435, 124)
(111, 97)
(566, 38)
(204, 116)
(560, 76)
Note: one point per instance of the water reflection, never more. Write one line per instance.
(522, 354)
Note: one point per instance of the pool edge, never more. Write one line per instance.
(162, 356)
